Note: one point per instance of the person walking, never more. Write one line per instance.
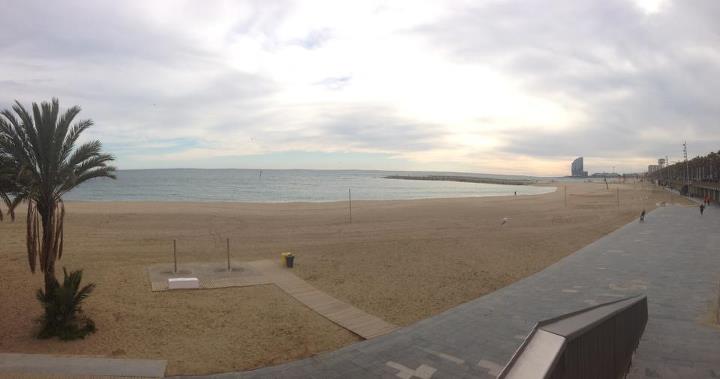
(642, 216)
(702, 209)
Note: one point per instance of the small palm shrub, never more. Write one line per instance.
(63, 315)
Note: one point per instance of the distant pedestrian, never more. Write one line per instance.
(642, 216)
(702, 209)
(515, 193)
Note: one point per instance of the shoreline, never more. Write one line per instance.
(74, 201)
(537, 184)
(465, 179)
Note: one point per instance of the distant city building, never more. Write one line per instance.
(661, 162)
(654, 167)
(576, 168)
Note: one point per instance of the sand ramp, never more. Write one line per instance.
(216, 275)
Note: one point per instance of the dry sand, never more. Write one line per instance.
(400, 260)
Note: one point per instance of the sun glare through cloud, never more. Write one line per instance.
(651, 6)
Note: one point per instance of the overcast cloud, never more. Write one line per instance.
(485, 86)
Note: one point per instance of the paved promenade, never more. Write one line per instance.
(673, 258)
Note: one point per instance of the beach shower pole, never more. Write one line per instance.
(175, 254)
(350, 204)
(228, 254)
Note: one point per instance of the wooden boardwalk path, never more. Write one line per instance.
(355, 320)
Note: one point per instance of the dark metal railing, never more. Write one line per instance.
(596, 342)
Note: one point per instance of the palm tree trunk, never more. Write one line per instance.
(47, 253)
(50, 280)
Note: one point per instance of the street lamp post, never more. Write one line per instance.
(687, 167)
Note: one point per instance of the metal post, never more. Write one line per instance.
(687, 166)
(175, 254)
(228, 254)
(350, 204)
(618, 197)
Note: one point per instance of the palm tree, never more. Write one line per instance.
(63, 309)
(40, 146)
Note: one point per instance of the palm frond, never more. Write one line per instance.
(61, 131)
(83, 294)
(68, 143)
(84, 152)
(29, 132)
(101, 172)
(19, 198)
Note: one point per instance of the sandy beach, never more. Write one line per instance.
(402, 261)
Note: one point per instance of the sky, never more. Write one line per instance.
(515, 87)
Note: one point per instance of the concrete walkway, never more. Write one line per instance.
(673, 258)
(210, 274)
(43, 365)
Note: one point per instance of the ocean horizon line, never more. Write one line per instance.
(334, 169)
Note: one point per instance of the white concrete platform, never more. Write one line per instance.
(183, 283)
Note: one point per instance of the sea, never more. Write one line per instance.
(275, 186)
